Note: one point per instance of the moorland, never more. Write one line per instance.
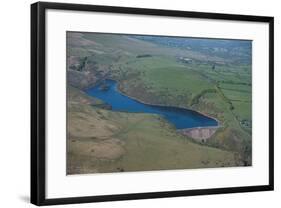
(209, 76)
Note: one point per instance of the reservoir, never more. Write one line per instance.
(181, 118)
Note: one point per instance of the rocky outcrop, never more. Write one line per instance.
(80, 80)
(200, 134)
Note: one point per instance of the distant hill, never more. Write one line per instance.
(234, 50)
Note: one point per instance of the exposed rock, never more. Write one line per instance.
(80, 80)
(199, 133)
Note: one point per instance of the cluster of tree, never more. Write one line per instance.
(82, 64)
(144, 56)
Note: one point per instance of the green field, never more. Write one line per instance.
(100, 140)
(106, 141)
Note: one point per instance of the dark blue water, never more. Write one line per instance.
(179, 117)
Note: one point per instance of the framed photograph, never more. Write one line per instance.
(134, 103)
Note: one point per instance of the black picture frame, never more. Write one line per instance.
(38, 102)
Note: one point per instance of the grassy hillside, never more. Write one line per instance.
(159, 74)
(107, 141)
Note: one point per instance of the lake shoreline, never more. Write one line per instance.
(180, 107)
(118, 89)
